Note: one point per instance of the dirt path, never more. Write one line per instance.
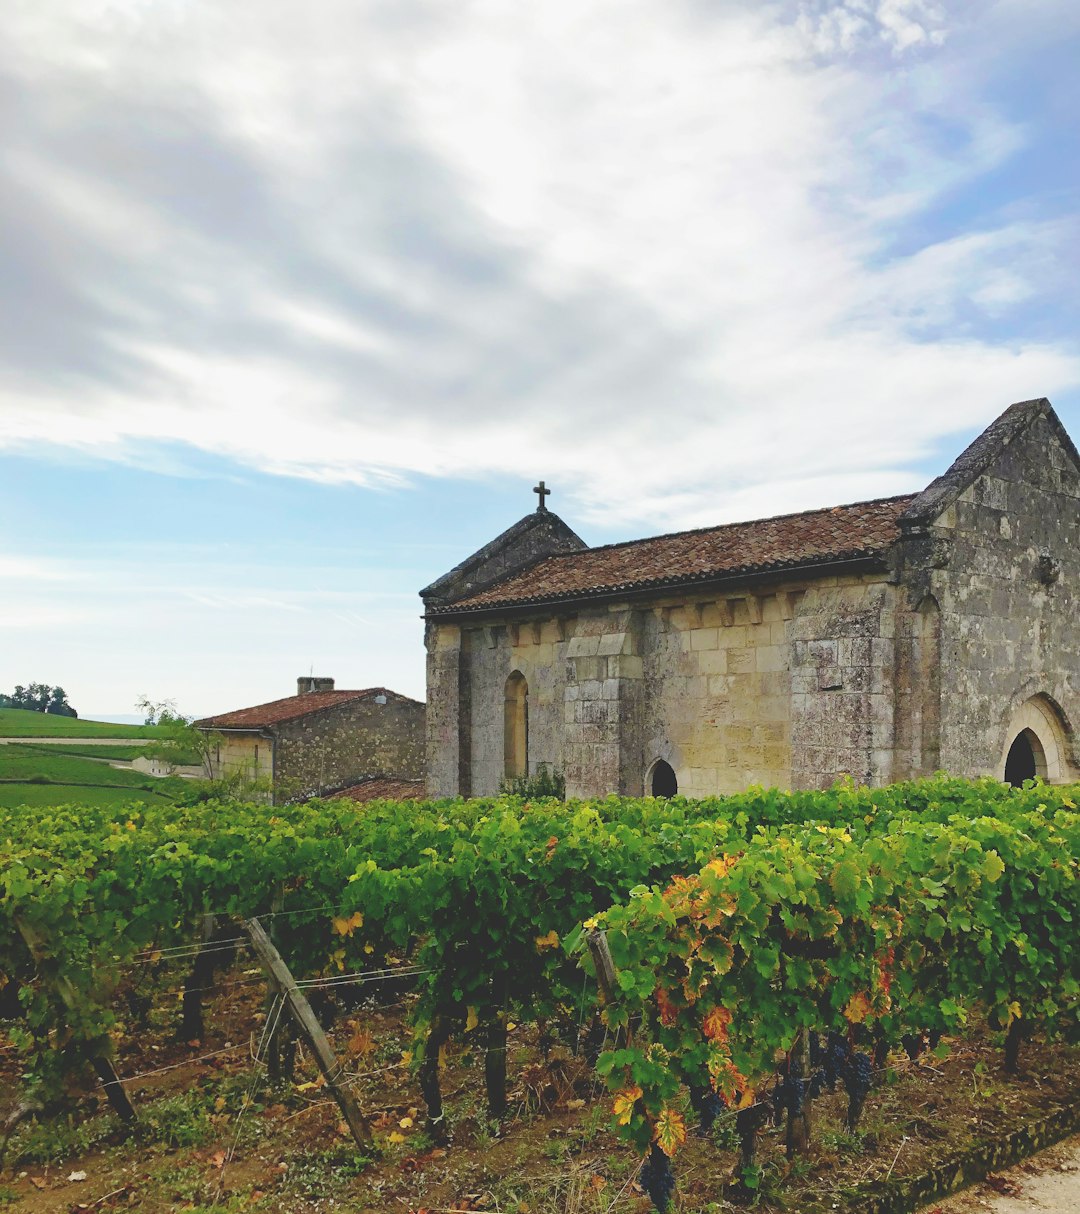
(1047, 1183)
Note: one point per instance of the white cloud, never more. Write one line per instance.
(617, 244)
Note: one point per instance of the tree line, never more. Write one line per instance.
(39, 697)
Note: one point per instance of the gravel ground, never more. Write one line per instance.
(1047, 1183)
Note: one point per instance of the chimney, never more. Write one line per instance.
(308, 683)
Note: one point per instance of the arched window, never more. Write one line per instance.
(516, 726)
(1026, 759)
(662, 781)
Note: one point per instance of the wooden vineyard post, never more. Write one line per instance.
(281, 1048)
(605, 967)
(600, 952)
(105, 1070)
(312, 1032)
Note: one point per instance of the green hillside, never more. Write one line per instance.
(21, 723)
(90, 750)
(33, 775)
(45, 795)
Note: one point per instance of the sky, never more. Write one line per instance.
(298, 302)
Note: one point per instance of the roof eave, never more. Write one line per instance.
(868, 561)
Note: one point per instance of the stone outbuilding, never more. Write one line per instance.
(320, 740)
(883, 640)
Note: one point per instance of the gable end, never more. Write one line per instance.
(941, 493)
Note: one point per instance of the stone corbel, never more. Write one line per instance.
(727, 616)
(753, 608)
(786, 601)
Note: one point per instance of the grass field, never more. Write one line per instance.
(39, 775)
(21, 723)
(122, 754)
(77, 794)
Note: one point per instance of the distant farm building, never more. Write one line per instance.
(320, 740)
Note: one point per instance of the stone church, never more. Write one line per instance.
(882, 640)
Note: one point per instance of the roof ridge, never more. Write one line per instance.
(748, 522)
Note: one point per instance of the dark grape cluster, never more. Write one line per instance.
(794, 1088)
(708, 1106)
(657, 1178)
(835, 1056)
(857, 1076)
(913, 1044)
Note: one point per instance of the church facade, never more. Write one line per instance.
(883, 640)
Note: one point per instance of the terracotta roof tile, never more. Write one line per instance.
(287, 709)
(864, 529)
(380, 788)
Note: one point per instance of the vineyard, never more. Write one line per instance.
(723, 967)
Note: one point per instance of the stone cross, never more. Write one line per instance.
(542, 493)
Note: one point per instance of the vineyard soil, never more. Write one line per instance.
(554, 1152)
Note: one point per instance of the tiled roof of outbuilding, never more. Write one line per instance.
(789, 541)
(287, 709)
(380, 788)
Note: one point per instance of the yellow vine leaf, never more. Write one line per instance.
(551, 940)
(746, 1099)
(670, 1131)
(1014, 1013)
(472, 1020)
(346, 926)
(623, 1106)
(858, 1008)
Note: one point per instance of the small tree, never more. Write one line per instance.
(177, 742)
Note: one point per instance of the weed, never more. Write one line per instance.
(322, 1173)
(61, 1139)
(178, 1121)
(844, 1142)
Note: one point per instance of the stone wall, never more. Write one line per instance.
(242, 754)
(342, 744)
(777, 685)
(843, 673)
(1003, 565)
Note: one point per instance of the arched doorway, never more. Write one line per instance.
(516, 726)
(1037, 743)
(1026, 759)
(662, 781)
